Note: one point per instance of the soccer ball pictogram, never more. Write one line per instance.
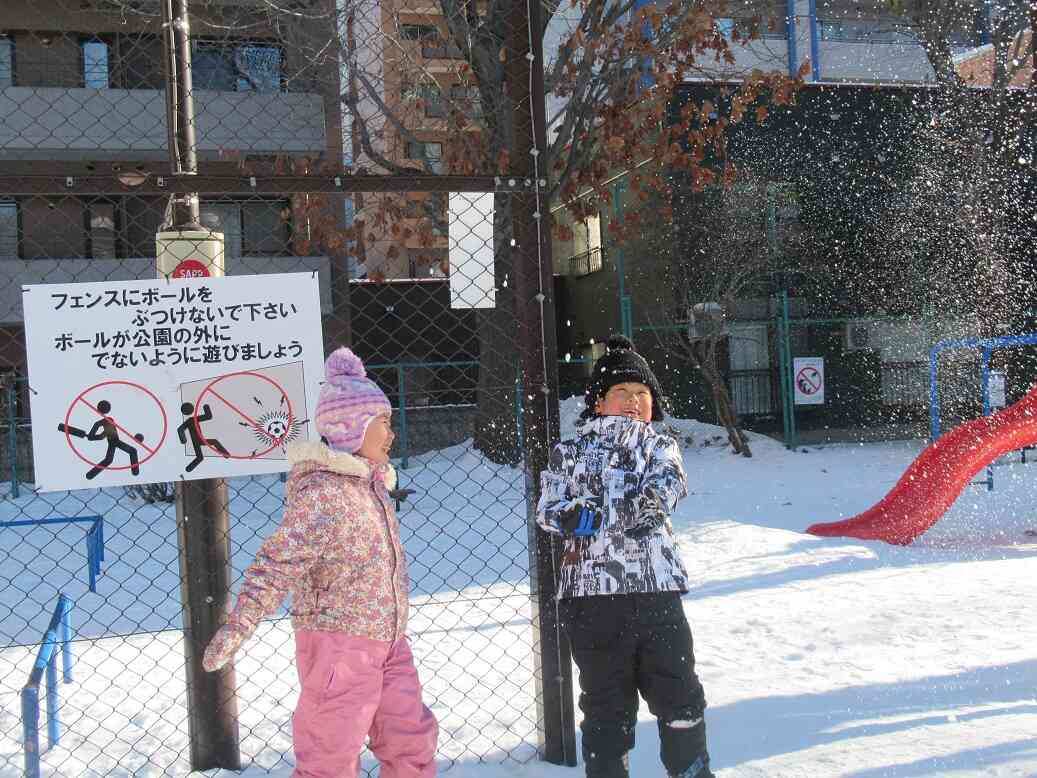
(277, 429)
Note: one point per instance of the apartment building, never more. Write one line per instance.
(82, 92)
(418, 108)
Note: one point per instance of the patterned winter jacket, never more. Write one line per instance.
(337, 551)
(637, 476)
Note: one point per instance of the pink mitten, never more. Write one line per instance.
(224, 644)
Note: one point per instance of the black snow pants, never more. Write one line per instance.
(629, 643)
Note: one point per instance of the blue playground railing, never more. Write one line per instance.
(94, 539)
(986, 347)
(59, 630)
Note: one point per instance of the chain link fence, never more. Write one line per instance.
(291, 107)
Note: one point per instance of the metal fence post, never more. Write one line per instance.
(12, 435)
(534, 312)
(626, 322)
(518, 408)
(31, 730)
(627, 316)
(985, 387)
(791, 441)
(53, 708)
(782, 379)
(65, 604)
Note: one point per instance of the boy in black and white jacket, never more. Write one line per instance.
(610, 493)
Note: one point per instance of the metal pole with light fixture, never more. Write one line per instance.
(186, 249)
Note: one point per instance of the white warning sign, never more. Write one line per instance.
(808, 380)
(142, 381)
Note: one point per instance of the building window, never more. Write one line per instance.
(6, 62)
(767, 28)
(95, 64)
(428, 263)
(418, 32)
(101, 226)
(429, 152)
(439, 49)
(136, 62)
(866, 31)
(430, 96)
(251, 229)
(782, 216)
(8, 229)
(237, 67)
(264, 228)
(433, 46)
(466, 98)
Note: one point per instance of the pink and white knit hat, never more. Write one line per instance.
(349, 401)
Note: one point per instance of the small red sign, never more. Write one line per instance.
(190, 268)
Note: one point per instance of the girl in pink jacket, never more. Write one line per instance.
(338, 553)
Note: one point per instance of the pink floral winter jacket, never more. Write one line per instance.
(337, 551)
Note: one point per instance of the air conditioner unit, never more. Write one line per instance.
(859, 335)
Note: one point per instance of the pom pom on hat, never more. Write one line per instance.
(344, 363)
(619, 342)
(349, 401)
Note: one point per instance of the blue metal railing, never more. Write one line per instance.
(401, 406)
(59, 633)
(94, 539)
(985, 347)
(400, 369)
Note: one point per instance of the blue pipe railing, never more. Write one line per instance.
(94, 539)
(58, 634)
(985, 347)
(400, 368)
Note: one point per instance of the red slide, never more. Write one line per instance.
(939, 474)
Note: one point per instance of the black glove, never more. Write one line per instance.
(582, 520)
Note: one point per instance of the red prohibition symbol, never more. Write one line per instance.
(809, 380)
(214, 389)
(81, 398)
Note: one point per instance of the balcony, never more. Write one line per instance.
(54, 123)
(16, 273)
(585, 263)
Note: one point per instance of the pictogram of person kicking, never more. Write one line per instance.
(106, 430)
(189, 428)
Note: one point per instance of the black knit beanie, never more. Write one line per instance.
(618, 365)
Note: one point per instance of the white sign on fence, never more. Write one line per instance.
(808, 380)
(996, 388)
(141, 381)
(470, 233)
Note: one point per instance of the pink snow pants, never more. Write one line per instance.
(353, 687)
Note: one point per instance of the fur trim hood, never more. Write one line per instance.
(324, 458)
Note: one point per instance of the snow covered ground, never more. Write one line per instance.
(820, 657)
